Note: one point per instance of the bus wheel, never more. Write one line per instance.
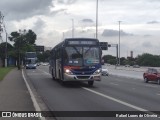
(90, 83)
(60, 79)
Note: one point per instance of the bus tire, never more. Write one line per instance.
(90, 83)
(60, 79)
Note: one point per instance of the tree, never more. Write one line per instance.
(109, 59)
(44, 57)
(147, 59)
(24, 41)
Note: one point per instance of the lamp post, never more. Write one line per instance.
(96, 19)
(119, 41)
(6, 48)
(72, 28)
(6, 52)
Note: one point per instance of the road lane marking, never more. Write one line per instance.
(44, 71)
(158, 94)
(116, 100)
(114, 84)
(151, 86)
(35, 103)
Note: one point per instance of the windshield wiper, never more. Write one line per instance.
(78, 52)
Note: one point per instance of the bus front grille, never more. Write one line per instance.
(83, 77)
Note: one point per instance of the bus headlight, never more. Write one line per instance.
(97, 71)
(68, 71)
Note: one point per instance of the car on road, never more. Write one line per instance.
(136, 66)
(152, 74)
(127, 65)
(104, 71)
(31, 66)
(45, 64)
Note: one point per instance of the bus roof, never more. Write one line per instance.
(81, 39)
(68, 40)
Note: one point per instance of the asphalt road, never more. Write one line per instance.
(113, 93)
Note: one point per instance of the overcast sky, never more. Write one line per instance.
(52, 21)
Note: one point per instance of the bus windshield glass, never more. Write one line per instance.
(81, 56)
(30, 61)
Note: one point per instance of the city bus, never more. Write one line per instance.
(76, 59)
(30, 60)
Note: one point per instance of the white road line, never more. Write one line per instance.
(158, 94)
(35, 103)
(116, 100)
(44, 72)
(114, 84)
(151, 86)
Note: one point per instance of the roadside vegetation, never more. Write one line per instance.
(145, 59)
(4, 72)
(23, 41)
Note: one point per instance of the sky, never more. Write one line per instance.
(53, 20)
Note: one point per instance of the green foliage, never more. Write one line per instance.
(44, 57)
(147, 59)
(23, 42)
(24, 39)
(4, 72)
(31, 37)
(109, 59)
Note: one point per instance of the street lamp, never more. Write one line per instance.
(97, 19)
(72, 28)
(119, 40)
(6, 51)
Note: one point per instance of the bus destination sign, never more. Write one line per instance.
(82, 42)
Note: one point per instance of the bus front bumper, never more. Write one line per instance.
(96, 77)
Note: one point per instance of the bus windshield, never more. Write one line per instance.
(81, 56)
(30, 61)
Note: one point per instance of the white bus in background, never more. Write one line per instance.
(30, 60)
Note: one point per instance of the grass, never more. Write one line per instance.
(4, 72)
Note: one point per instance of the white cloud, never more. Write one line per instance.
(52, 19)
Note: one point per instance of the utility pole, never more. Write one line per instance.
(1, 25)
(119, 41)
(97, 19)
(116, 46)
(6, 49)
(72, 28)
